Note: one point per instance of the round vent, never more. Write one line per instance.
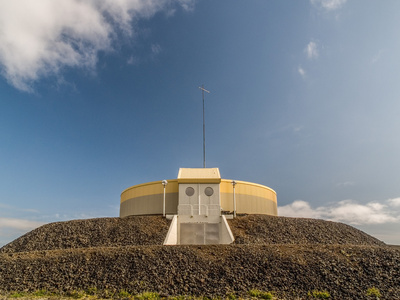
(208, 191)
(189, 191)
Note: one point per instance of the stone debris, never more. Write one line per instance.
(262, 229)
(100, 232)
(152, 230)
(288, 256)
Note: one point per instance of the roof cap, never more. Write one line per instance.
(199, 175)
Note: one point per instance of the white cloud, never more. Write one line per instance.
(299, 208)
(312, 50)
(41, 38)
(187, 4)
(357, 214)
(7, 207)
(12, 228)
(394, 202)
(347, 211)
(329, 4)
(19, 224)
(301, 71)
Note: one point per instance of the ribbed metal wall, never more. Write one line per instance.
(147, 198)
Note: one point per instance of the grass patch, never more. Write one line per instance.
(76, 294)
(319, 294)
(124, 294)
(91, 291)
(260, 294)
(374, 292)
(40, 293)
(230, 296)
(148, 296)
(17, 295)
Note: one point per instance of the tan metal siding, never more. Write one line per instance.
(150, 205)
(147, 198)
(246, 204)
(149, 188)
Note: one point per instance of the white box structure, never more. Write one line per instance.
(199, 220)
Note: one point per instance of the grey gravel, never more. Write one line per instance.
(100, 232)
(288, 256)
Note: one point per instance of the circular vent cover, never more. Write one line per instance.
(189, 191)
(209, 191)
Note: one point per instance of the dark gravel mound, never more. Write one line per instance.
(262, 229)
(291, 271)
(152, 230)
(101, 232)
(288, 256)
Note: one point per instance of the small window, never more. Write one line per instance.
(209, 191)
(189, 191)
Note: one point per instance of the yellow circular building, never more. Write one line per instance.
(198, 191)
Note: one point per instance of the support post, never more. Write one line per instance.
(234, 198)
(164, 183)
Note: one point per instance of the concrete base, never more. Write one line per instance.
(199, 230)
(172, 235)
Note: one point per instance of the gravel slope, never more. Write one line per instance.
(288, 256)
(100, 232)
(151, 230)
(262, 229)
(291, 271)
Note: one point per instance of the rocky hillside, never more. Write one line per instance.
(287, 256)
(152, 230)
(262, 229)
(101, 232)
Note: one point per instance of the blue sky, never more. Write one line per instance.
(100, 95)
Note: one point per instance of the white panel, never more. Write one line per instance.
(192, 234)
(211, 234)
(172, 235)
(209, 205)
(199, 215)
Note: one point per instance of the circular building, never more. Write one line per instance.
(198, 192)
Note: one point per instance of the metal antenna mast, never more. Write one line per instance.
(204, 126)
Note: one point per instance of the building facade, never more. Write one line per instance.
(147, 198)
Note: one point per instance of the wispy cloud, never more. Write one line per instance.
(377, 57)
(13, 208)
(187, 4)
(132, 60)
(156, 49)
(328, 4)
(301, 71)
(20, 221)
(19, 224)
(11, 228)
(292, 129)
(15, 221)
(42, 38)
(394, 202)
(311, 50)
(347, 211)
(345, 184)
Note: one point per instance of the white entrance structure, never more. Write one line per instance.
(199, 220)
(199, 202)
